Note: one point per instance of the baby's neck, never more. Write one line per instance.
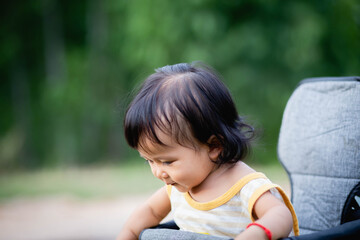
(219, 181)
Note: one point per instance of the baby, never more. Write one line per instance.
(184, 123)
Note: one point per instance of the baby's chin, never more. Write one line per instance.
(180, 188)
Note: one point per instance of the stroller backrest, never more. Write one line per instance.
(319, 146)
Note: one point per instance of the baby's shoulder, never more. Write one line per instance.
(239, 171)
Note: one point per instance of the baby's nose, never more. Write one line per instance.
(159, 173)
(164, 175)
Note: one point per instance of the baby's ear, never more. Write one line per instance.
(215, 147)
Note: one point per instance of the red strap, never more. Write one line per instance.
(267, 231)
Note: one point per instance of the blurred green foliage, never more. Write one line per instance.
(68, 68)
(98, 181)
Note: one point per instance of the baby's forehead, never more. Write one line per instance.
(164, 142)
(154, 150)
(153, 144)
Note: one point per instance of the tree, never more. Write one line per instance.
(68, 67)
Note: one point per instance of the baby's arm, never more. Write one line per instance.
(271, 213)
(147, 215)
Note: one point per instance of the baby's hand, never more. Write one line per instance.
(253, 233)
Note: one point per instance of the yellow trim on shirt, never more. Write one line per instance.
(260, 191)
(292, 210)
(168, 190)
(205, 206)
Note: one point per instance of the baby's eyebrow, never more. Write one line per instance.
(159, 158)
(146, 157)
(142, 156)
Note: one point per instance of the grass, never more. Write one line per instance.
(89, 182)
(94, 182)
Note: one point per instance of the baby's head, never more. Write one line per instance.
(191, 105)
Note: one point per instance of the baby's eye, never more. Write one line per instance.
(149, 161)
(167, 162)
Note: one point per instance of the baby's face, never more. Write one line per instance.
(182, 167)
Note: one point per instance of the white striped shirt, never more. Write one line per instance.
(229, 214)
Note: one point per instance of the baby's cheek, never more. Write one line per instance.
(152, 170)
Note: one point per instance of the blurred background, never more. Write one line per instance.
(68, 68)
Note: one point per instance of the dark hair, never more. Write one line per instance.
(188, 102)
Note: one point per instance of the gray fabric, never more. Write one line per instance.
(170, 234)
(319, 146)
